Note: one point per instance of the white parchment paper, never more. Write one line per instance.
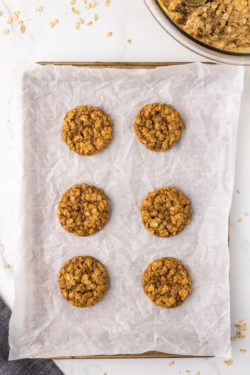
(201, 165)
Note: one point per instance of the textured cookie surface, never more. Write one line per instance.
(165, 212)
(83, 209)
(158, 126)
(166, 282)
(83, 281)
(87, 130)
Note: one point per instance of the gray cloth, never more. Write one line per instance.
(22, 366)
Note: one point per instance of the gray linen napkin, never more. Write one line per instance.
(21, 366)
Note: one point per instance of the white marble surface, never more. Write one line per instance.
(127, 20)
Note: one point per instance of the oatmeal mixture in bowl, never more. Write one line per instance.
(223, 24)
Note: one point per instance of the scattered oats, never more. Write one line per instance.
(246, 213)
(241, 327)
(238, 191)
(240, 220)
(233, 338)
(110, 34)
(72, 2)
(20, 22)
(6, 31)
(15, 17)
(9, 20)
(92, 4)
(22, 29)
(243, 350)
(171, 363)
(77, 25)
(1, 13)
(86, 6)
(107, 3)
(7, 266)
(89, 23)
(75, 11)
(52, 24)
(16, 13)
(81, 20)
(95, 17)
(228, 362)
(129, 41)
(241, 335)
(39, 9)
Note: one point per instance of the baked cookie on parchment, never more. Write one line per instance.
(165, 212)
(158, 126)
(83, 281)
(83, 209)
(166, 282)
(87, 130)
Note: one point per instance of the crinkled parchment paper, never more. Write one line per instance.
(201, 165)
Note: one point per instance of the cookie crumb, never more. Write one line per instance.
(9, 20)
(7, 266)
(243, 350)
(238, 191)
(39, 9)
(92, 4)
(72, 2)
(95, 17)
(89, 23)
(240, 220)
(1, 13)
(107, 3)
(81, 20)
(129, 41)
(233, 338)
(246, 213)
(5, 31)
(197, 373)
(109, 34)
(77, 25)
(171, 363)
(16, 13)
(228, 362)
(188, 371)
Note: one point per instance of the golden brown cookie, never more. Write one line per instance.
(83, 209)
(158, 126)
(83, 281)
(166, 282)
(87, 130)
(165, 212)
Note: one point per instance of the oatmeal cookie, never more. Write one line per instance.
(165, 212)
(83, 281)
(87, 130)
(158, 126)
(83, 209)
(166, 282)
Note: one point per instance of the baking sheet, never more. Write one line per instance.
(201, 164)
